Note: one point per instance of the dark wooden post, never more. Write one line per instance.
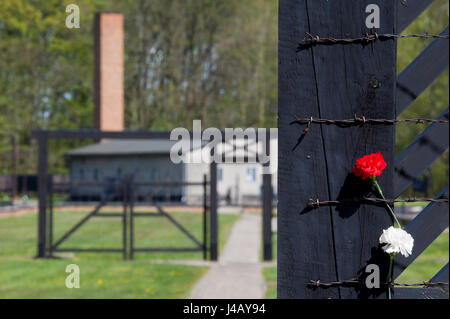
(125, 184)
(14, 156)
(132, 200)
(213, 241)
(50, 215)
(335, 82)
(267, 207)
(42, 191)
(205, 215)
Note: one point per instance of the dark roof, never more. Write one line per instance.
(125, 147)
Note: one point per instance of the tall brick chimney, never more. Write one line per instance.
(109, 71)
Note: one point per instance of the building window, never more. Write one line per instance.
(96, 174)
(81, 174)
(154, 176)
(219, 174)
(119, 173)
(136, 173)
(250, 174)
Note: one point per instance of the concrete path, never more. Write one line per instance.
(238, 273)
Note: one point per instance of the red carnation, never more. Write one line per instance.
(369, 166)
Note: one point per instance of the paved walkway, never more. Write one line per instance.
(238, 273)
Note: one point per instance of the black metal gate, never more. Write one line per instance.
(126, 192)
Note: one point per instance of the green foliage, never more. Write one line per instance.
(201, 59)
(184, 60)
(46, 72)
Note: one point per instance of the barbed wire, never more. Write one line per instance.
(316, 203)
(362, 120)
(315, 39)
(355, 281)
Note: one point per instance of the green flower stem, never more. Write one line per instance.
(389, 277)
(377, 187)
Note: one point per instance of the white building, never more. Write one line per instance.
(237, 183)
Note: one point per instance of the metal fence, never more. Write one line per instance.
(125, 194)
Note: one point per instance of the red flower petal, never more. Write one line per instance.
(369, 166)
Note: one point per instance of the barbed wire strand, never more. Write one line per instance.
(315, 203)
(355, 281)
(315, 39)
(362, 120)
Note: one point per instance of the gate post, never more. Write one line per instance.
(335, 81)
(50, 214)
(213, 212)
(42, 194)
(133, 196)
(205, 214)
(125, 184)
(267, 206)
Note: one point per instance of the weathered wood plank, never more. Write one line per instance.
(421, 73)
(420, 154)
(305, 240)
(425, 292)
(425, 228)
(42, 194)
(442, 275)
(409, 10)
(213, 218)
(267, 208)
(418, 293)
(355, 80)
(334, 81)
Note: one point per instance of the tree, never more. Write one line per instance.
(184, 60)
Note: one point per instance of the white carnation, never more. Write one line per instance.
(397, 240)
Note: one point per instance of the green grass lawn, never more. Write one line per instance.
(428, 263)
(102, 275)
(270, 275)
(422, 269)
